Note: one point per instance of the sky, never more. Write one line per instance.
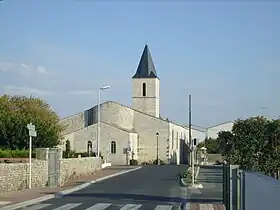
(224, 53)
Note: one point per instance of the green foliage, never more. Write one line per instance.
(16, 112)
(254, 144)
(160, 162)
(15, 153)
(133, 162)
(211, 145)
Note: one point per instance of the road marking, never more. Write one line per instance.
(131, 207)
(68, 206)
(206, 207)
(163, 207)
(37, 207)
(99, 206)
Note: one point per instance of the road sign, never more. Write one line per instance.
(31, 127)
(32, 133)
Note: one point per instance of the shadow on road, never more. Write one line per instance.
(119, 196)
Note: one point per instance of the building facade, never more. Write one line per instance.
(130, 132)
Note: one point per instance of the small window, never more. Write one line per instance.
(144, 89)
(113, 147)
(89, 146)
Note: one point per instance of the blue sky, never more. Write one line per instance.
(225, 53)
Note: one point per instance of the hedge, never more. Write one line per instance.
(6, 153)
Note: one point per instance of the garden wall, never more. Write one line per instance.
(15, 176)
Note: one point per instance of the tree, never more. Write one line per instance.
(16, 112)
(253, 144)
(211, 145)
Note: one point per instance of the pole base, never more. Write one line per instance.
(196, 186)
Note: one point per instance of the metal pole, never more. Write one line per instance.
(157, 151)
(30, 156)
(190, 135)
(98, 125)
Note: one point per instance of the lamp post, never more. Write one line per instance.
(157, 134)
(98, 123)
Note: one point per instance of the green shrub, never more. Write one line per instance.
(160, 162)
(6, 153)
(133, 162)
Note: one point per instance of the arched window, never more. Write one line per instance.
(144, 89)
(113, 147)
(89, 146)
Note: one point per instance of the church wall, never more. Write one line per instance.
(73, 123)
(116, 114)
(147, 126)
(149, 103)
(80, 138)
(176, 133)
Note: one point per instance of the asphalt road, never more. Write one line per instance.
(151, 187)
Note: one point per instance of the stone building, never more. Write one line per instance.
(130, 132)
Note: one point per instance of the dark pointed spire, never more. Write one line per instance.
(146, 67)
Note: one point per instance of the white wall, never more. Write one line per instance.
(212, 132)
(79, 141)
(150, 103)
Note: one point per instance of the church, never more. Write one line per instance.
(135, 132)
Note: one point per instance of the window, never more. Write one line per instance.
(144, 89)
(89, 146)
(113, 147)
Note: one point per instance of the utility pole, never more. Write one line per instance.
(190, 136)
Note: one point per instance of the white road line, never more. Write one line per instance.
(99, 206)
(206, 207)
(37, 207)
(68, 206)
(163, 207)
(131, 207)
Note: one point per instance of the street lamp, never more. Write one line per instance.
(99, 113)
(157, 134)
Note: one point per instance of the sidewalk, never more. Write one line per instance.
(211, 179)
(29, 194)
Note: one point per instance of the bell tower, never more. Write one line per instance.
(145, 85)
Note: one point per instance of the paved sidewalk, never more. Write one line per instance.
(24, 195)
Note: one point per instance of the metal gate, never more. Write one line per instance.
(53, 167)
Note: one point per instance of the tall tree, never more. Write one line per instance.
(16, 112)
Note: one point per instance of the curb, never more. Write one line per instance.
(64, 192)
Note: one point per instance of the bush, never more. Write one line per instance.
(133, 162)
(160, 162)
(145, 163)
(16, 153)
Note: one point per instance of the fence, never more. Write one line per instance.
(249, 190)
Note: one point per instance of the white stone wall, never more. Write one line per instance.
(147, 127)
(212, 132)
(108, 133)
(150, 103)
(15, 176)
(114, 113)
(176, 133)
(199, 135)
(73, 123)
(74, 167)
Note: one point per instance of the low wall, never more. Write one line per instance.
(74, 167)
(15, 176)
